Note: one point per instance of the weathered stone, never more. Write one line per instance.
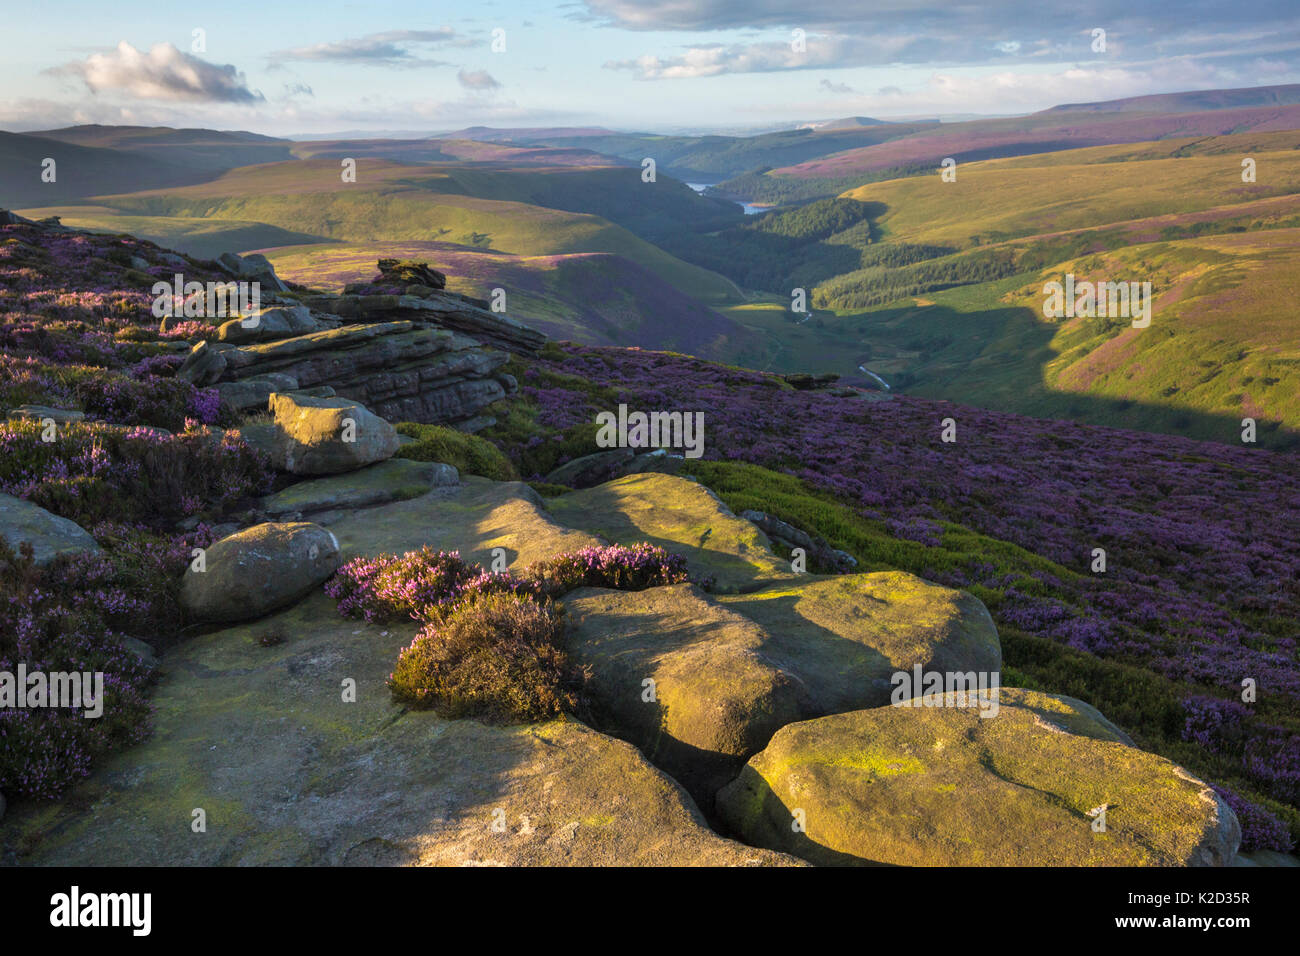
(39, 413)
(945, 786)
(729, 671)
(257, 734)
(474, 518)
(393, 480)
(49, 534)
(681, 516)
(254, 392)
(404, 272)
(258, 570)
(325, 436)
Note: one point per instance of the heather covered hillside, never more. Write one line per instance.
(918, 511)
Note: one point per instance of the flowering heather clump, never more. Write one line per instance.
(91, 472)
(615, 566)
(427, 584)
(1202, 584)
(73, 616)
(497, 657)
(419, 584)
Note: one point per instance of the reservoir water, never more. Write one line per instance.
(750, 208)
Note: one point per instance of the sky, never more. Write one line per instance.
(287, 68)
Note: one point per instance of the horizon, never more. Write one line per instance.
(715, 65)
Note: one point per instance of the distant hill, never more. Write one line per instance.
(453, 151)
(711, 158)
(490, 134)
(1191, 102)
(848, 122)
(195, 149)
(98, 160)
(919, 152)
(520, 212)
(80, 171)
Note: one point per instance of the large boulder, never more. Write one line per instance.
(252, 727)
(49, 534)
(729, 671)
(258, 570)
(949, 785)
(325, 436)
(847, 636)
(682, 678)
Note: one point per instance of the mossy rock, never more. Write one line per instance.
(679, 515)
(257, 734)
(945, 786)
(716, 698)
(730, 671)
(473, 518)
(846, 636)
(392, 480)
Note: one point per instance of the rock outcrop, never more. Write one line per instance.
(403, 345)
(259, 570)
(257, 733)
(402, 370)
(49, 535)
(944, 786)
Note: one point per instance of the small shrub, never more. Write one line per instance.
(628, 569)
(497, 658)
(422, 584)
(470, 454)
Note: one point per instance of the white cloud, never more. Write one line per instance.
(164, 73)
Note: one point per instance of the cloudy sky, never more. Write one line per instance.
(287, 67)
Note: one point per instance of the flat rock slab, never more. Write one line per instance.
(287, 773)
(396, 479)
(730, 670)
(846, 636)
(49, 534)
(944, 786)
(681, 516)
(473, 518)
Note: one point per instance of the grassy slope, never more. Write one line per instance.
(1004, 199)
(393, 202)
(595, 298)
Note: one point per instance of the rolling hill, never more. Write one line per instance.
(592, 298)
(391, 201)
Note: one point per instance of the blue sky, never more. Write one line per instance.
(287, 68)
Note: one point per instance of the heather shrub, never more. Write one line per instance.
(470, 454)
(73, 616)
(497, 657)
(627, 569)
(93, 472)
(419, 584)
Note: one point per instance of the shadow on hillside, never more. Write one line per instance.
(998, 358)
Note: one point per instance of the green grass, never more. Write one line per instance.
(469, 454)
